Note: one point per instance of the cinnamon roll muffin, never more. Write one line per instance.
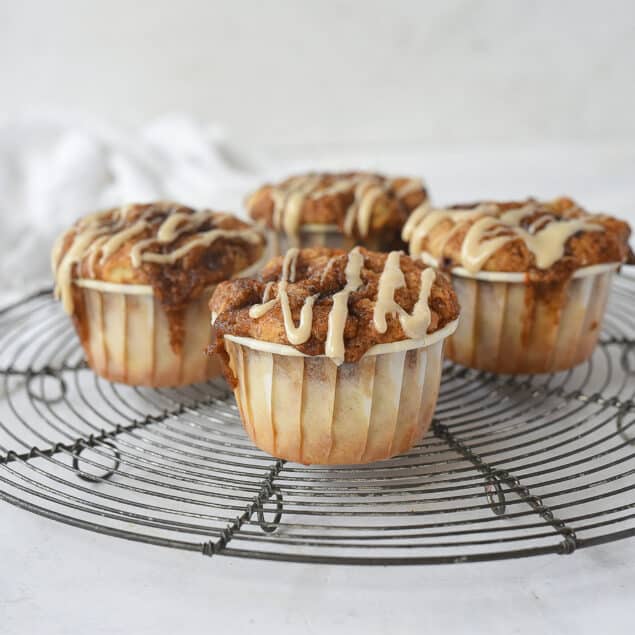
(337, 210)
(334, 356)
(136, 281)
(532, 279)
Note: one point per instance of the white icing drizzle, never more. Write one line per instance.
(289, 265)
(474, 250)
(334, 345)
(411, 185)
(428, 221)
(515, 215)
(294, 203)
(365, 207)
(545, 237)
(301, 333)
(258, 310)
(289, 197)
(414, 325)
(423, 219)
(295, 334)
(93, 253)
(125, 210)
(288, 200)
(64, 271)
(267, 292)
(350, 218)
(540, 223)
(327, 269)
(113, 243)
(416, 216)
(391, 279)
(136, 253)
(547, 243)
(94, 219)
(102, 234)
(168, 230)
(338, 186)
(279, 198)
(202, 240)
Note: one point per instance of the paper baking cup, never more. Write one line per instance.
(318, 236)
(308, 409)
(125, 334)
(127, 337)
(509, 325)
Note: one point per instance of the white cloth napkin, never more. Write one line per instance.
(55, 168)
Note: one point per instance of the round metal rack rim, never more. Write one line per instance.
(513, 467)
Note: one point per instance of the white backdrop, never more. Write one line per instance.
(198, 100)
(298, 71)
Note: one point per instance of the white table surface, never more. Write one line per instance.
(58, 579)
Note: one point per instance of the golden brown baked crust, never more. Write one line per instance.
(175, 283)
(320, 272)
(445, 240)
(328, 198)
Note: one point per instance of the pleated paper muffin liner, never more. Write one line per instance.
(309, 410)
(127, 337)
(125, 333)
(508, 325)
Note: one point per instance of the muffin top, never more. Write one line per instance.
(329, 302)
(547, 240)
(176, 250)
(360, 204)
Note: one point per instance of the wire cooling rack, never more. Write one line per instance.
(512, 467)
